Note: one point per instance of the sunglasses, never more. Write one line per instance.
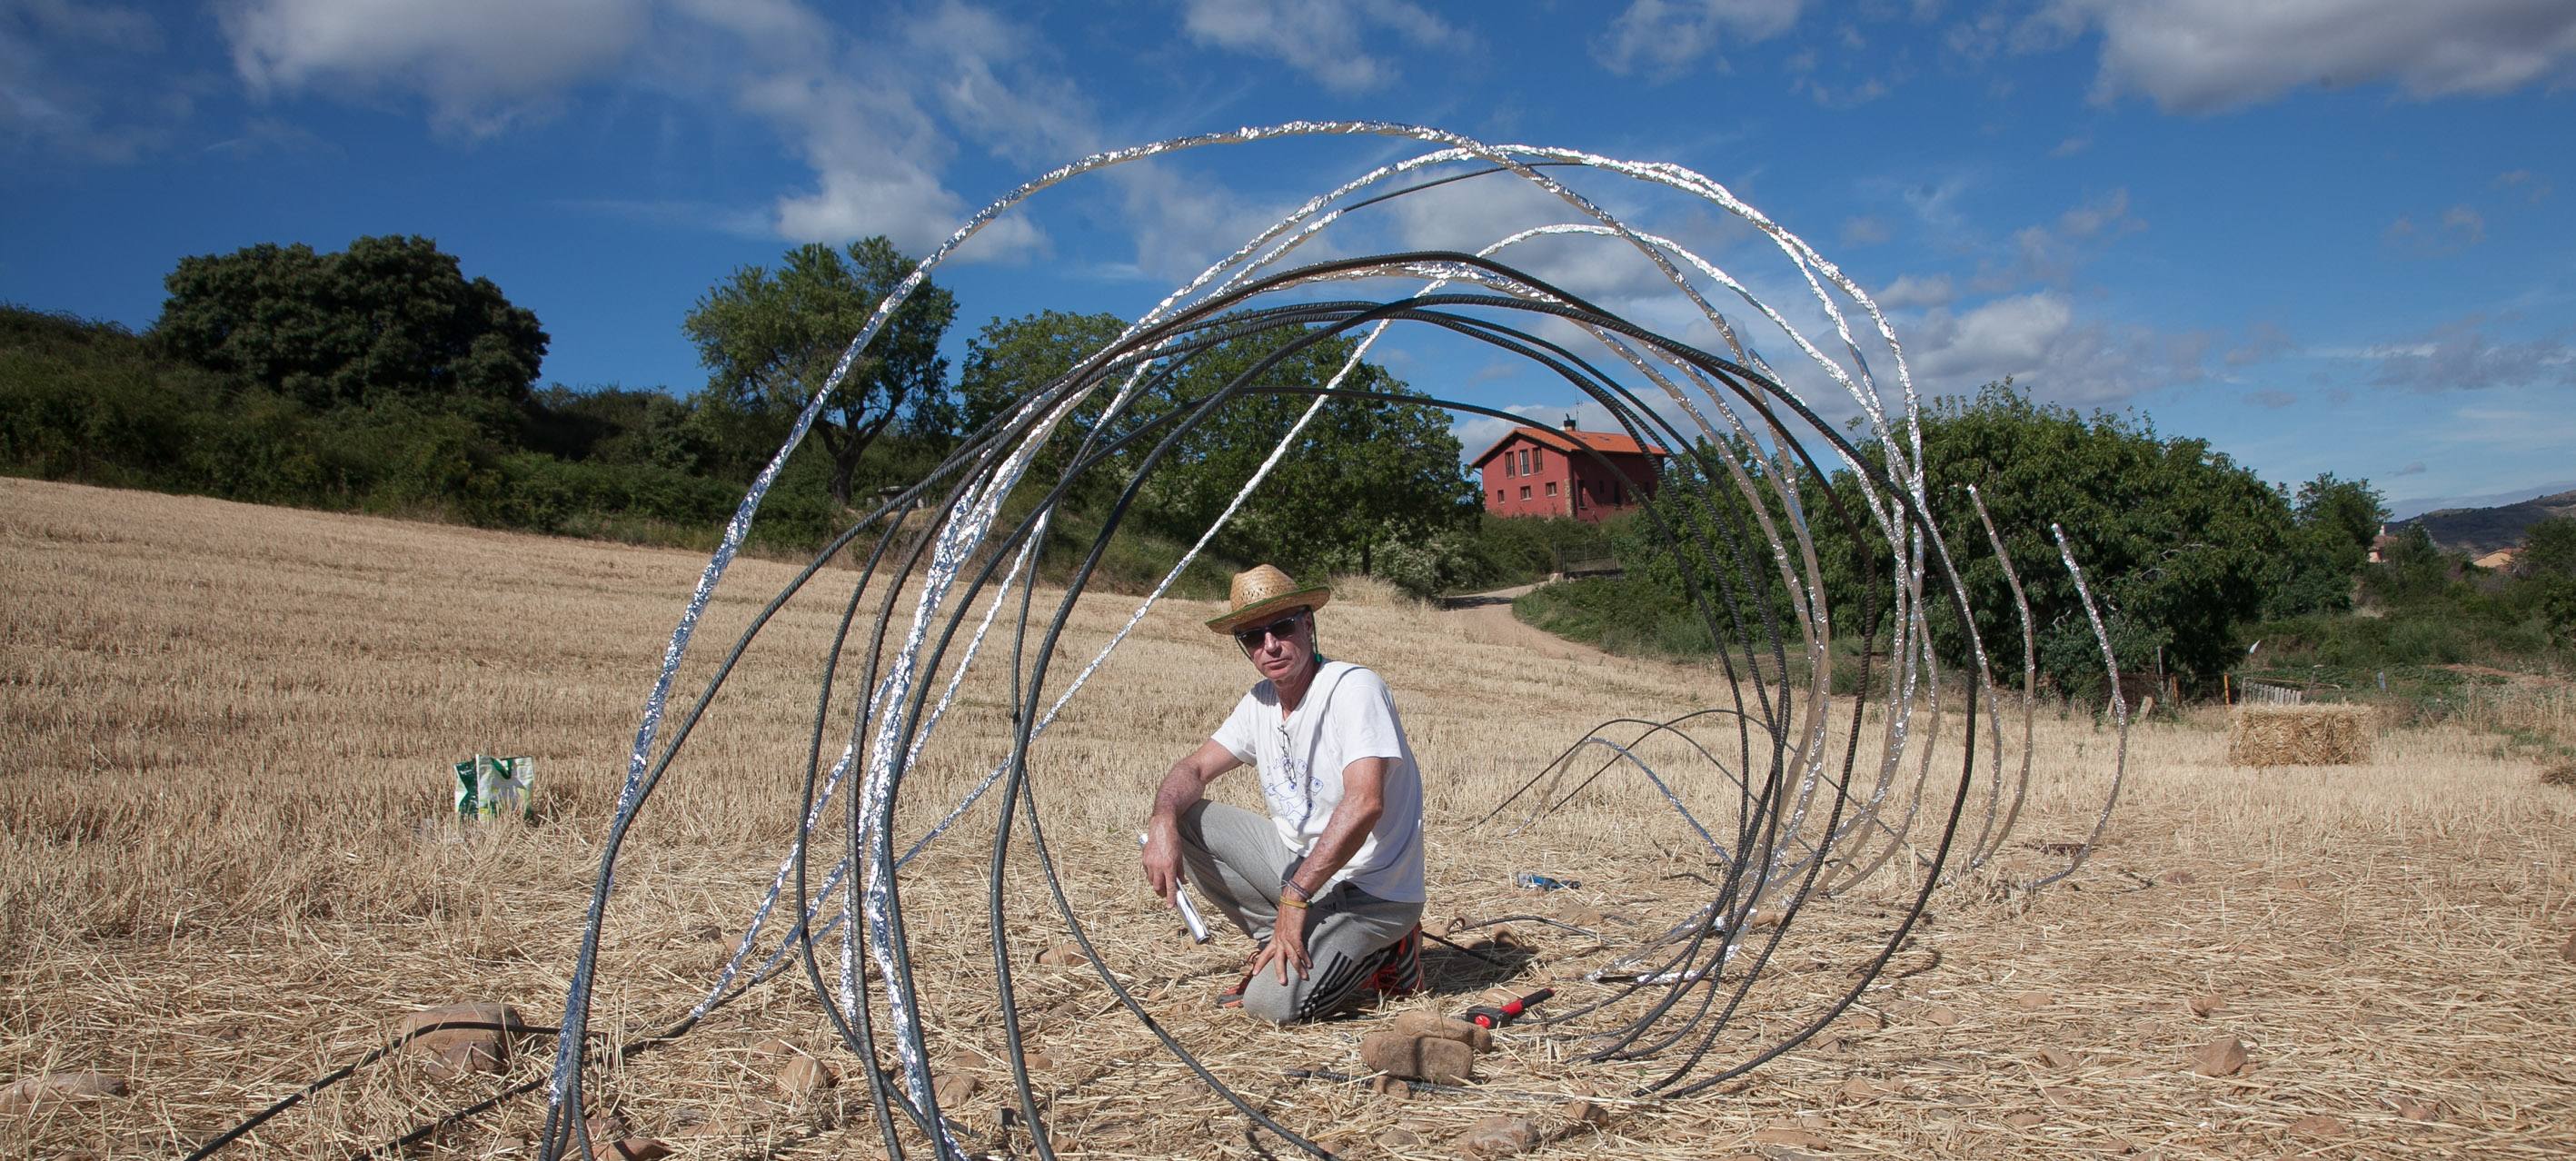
(1251, 638)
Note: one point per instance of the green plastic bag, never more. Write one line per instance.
(489, 787)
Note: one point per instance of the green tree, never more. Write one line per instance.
(2336, 520)
(1010, 358)
(771, 338)
(388, 318)
(1364, 477)
(2548, 560)
(2549, 549)
(2179, 544)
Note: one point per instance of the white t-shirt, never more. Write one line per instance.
(1348, 714)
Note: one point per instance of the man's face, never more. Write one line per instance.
(1280, 647)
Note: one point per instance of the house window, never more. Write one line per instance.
(1538, 458)
(1507, 465)
(1551, 487)
(1498, 495)
(1525, 461)
(1618, 495)
(1524, 491)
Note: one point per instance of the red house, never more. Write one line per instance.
(1538, 472)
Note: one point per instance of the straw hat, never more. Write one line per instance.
(1263, 592)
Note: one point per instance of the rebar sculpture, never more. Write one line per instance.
(1800, 819)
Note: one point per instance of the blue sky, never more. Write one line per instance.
(2326, 235)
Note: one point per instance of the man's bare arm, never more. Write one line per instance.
(1363, 803)
(1184, 785)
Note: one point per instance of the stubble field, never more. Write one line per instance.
(227, 866)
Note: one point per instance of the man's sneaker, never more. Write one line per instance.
(1401, 974)
(1233, 997)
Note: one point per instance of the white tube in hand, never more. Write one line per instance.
(1181, 899)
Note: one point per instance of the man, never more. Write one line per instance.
(1329, 886)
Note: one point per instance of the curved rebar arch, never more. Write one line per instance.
(1750, 568)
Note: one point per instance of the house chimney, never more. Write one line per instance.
(1569, 423)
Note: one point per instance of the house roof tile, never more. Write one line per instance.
(1606, 443)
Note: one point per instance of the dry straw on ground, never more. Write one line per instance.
(2299, 735)
(224, 869)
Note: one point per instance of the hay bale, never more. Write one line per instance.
(2299, 735)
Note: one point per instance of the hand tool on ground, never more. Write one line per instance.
(1495, 1016)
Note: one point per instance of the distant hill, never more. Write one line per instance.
(2478, 531)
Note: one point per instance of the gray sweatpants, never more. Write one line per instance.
(1236, 860)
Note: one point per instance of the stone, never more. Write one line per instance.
(1940, 1016)
(629, 1149)
(1497, 1137)
(1857, 1090)
(2025, 1120)
(954, 1089)
(2207, 1005)
(1064, 955)
(1430, 1058)
(1434, 1024)
(2033, 1001)
(43, 1089)
(2219, 1057)
(1584, 1112)
(803, 1076)
(1399, 1138)
(1787, 1135)
(2316, 1125)
(448, 1053)
(1038, 1061)
(2567, 951)
(2057, 1058)
(2414, 1108)
(1395, 1087)
(775, 1047)
(606, 1127)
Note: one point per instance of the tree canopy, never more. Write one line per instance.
(2336, 520)
(1366, 477)
(388, 318)
(2179, 544)
(770, 339)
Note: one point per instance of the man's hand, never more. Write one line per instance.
(1184, 785)
(1163, 860)
(1287, 946)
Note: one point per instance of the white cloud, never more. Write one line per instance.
(878, 118)
(2535, 189)
(1182, 225)
(2051, 253)
(2038, 341)
(1324, 39)
(2204, 56)
(1665, 37)
(2459, 356)
(1909, 291)
(2458, 229)
(2263, 340)
(479, 63)
(73, 79)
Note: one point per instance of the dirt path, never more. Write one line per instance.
(1487, 618)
